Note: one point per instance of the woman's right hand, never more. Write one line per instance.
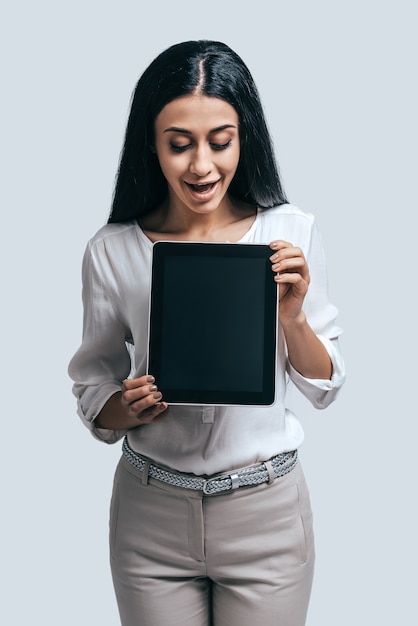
(141, 399)
(138, 402)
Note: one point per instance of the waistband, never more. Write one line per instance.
(265, 472)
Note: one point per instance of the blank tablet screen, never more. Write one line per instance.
(213, 323)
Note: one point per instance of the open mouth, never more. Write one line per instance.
(202, 187)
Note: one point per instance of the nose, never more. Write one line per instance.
(201, 163)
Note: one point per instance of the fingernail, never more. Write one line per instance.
(157, 395)
(150, 379)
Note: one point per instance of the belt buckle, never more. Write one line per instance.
(207, 482)
(235, 483)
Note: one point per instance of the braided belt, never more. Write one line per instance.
(265, 472)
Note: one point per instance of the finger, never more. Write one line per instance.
(279, 244)
(287, 252)
(292, 264)
(134, 395)
(153, 414)
(144, 402)
(292, 281)
(141, 381)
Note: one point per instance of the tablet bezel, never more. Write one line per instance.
(162, 250)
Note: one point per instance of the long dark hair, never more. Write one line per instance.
(209, 68)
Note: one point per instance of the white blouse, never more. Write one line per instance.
(199, 439)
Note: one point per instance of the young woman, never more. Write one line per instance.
(198, 164)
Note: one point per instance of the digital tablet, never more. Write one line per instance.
(213, 323)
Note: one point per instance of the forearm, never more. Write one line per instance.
(306, 352)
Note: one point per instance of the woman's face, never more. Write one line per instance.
(197, 144)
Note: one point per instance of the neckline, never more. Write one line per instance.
(243, 239)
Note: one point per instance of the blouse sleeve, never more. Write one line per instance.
(102, 361)
(321, 316)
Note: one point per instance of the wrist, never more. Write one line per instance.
(294, 322)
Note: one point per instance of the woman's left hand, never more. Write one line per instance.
(292, 276)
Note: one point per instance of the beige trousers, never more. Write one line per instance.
(179, 558)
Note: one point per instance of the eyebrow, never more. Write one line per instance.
(184, 131)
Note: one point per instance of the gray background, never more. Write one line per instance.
(338, 81)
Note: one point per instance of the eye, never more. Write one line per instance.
(175, 148)
(220, 146)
